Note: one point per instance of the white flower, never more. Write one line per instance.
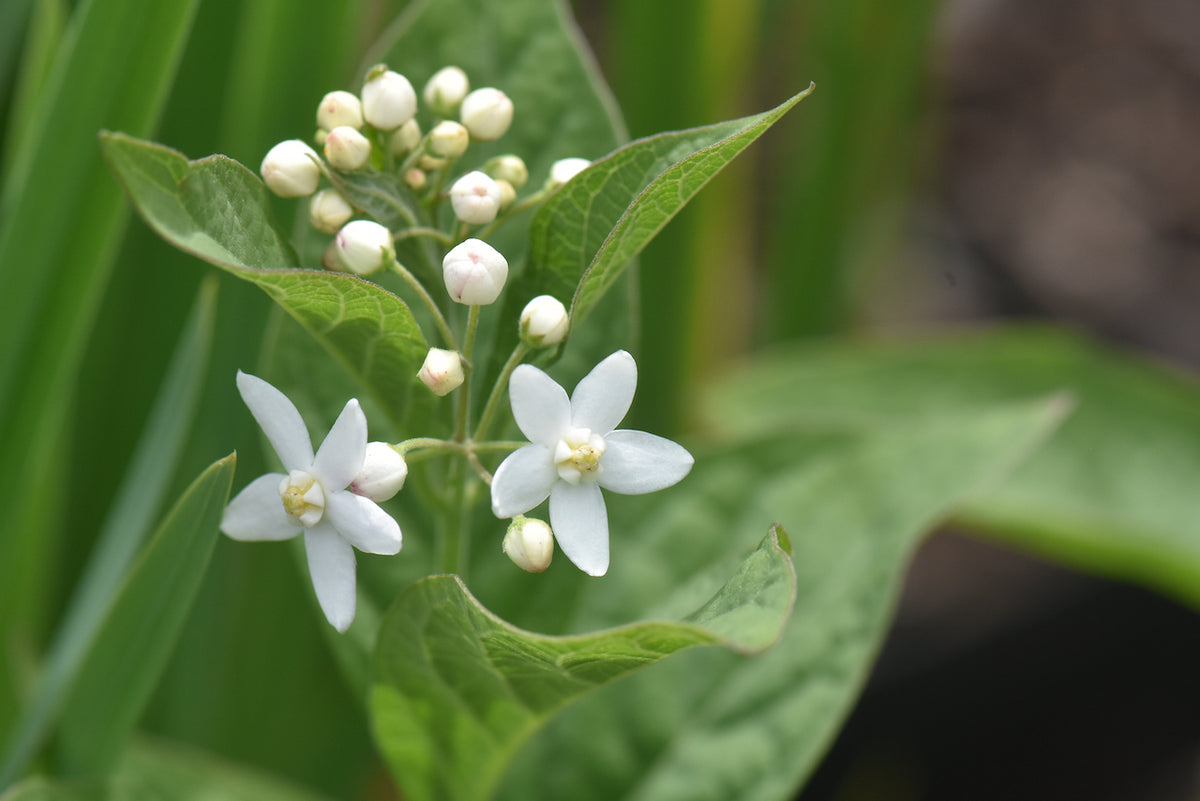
(446, 89)
(339, 108)
(364, 246)
(475, 198)
(575, 452)
(347, 149)
(290, 169)
(487, 113)
(442, 371)
(529, 542)
(564, 170)
(312, 497)
(388, 99)
(544, 321)
(474, 272)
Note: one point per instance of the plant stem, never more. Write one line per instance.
(489, 409)
(438, 317)
(432, 233)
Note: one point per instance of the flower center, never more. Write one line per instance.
(577, 456)
(303, 498)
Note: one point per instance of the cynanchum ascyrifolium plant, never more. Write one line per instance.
(574, 448)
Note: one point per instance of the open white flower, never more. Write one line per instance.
(575, 452)
(313, 497)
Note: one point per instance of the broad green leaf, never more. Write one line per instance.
(154, 770)
(707, 727)
(457, 690)
(123, 532)
(1112, 492)
(217, 210)
(140, 627)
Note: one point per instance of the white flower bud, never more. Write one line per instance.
(446, 89)
(449, 138)
(487, 113)
(382, 474)
(529, 543)
(365, 246)
(507, 194)
(347, 149)
(406, 138)
(544, 321)
(416, 180)
(290, 169)
(564, 170)
(430, 163)
(508, 168)
(475, 198)
(388, 99)
(328, 211)
(442, 371)
(337, 109)
(474, 273)
(330, 259)
(320, 136)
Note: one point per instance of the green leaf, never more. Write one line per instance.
(1113, 492)
(217, 210)
(140, 628)
(708, 727)
(456, 689)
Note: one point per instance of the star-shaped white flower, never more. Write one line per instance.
(313, 497)
(575, 452)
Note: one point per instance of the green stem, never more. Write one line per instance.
(427, 299)
(432, 233)
(493, 401)
(464, 394)
(516, 208)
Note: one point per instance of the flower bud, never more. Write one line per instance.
(416, 180)
(475, 198)
(564, 170)
(328, 211)
(474, 273)
(487, 113)
(508, 168)
(544, 321)
(347, 149)
(365, 246)
(507, 194)
(430, 163)
(442, 371)
(382, 474)
(388, 99)
(290, 169)
(448, 138)
(337, 109)
(529, 543)
(406, 138)
(446, 89)
(330, 259)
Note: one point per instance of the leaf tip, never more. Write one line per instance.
(781, 539)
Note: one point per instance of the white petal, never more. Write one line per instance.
(279, 421)
(341, 455)
(331, 565)
(539, 405)
(362, 523)
(257, 512)
(602, 398)
(580, 524)
(522, 481)
(635, 462)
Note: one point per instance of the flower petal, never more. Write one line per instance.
(257, 512)
(636, 462)
(539, 405)
(331, 565)
(341, 455)
(580, 524)
(603, 397)
(279, 420)
(362, 523)
(523, 480)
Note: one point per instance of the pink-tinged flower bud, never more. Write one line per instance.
(406, 138)
(474, 273)
(347, 149)
(337, 109)
(529, 542)
(290, 169)
(365, 246)
(487, 113)
(446, 89)
(442, 371)
(382, 475)
(564, 170)
(448, 138)
(388, 99)
(416, 180)
(544, 321)
(475, 198)
(328, 211)
(508, 168)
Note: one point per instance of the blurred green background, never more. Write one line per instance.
(959, 162)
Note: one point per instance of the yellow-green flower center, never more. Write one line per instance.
(303, 498)
(577, 456)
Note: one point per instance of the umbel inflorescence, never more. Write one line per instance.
(574, 448)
